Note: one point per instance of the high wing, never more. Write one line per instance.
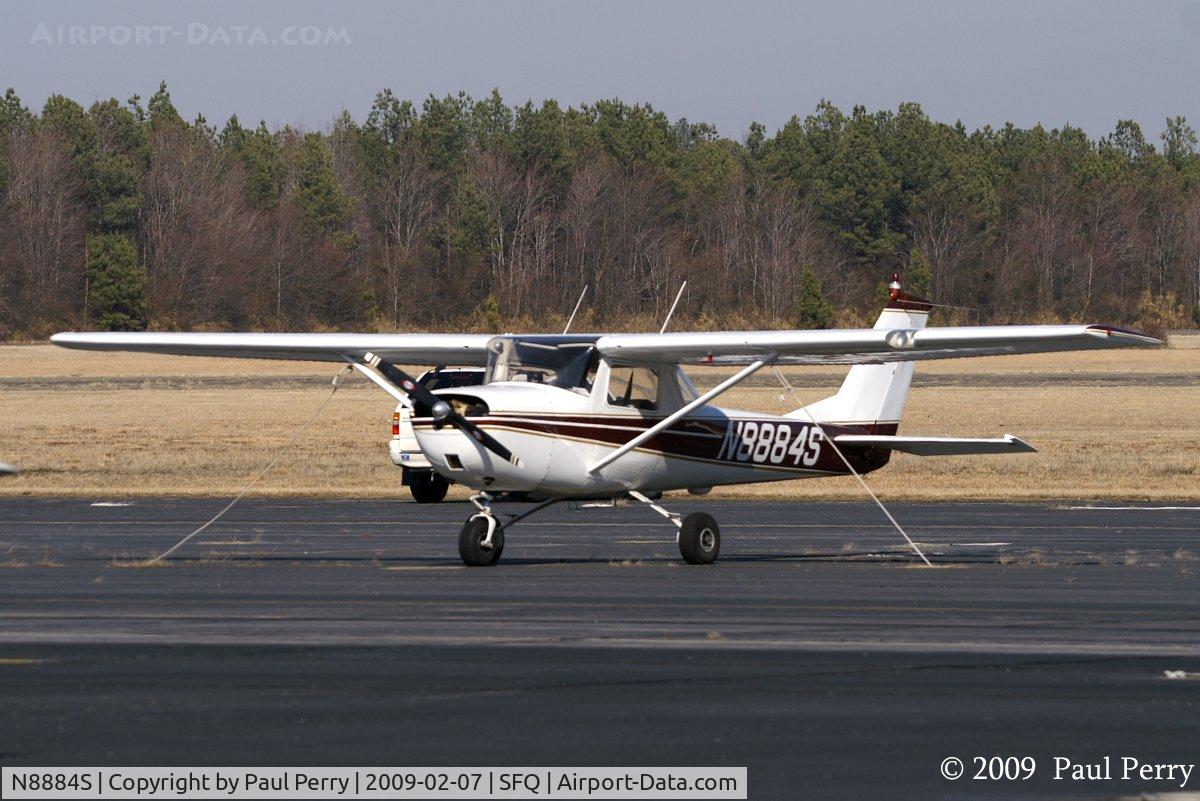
(457, 349)
(839, 346)
(862, 345)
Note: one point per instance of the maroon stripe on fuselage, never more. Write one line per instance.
(709, 439)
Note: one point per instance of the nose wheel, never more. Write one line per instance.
(481, 539)
(475, 546)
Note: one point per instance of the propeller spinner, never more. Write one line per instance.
(439, 409)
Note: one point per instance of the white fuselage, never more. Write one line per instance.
(559, 434)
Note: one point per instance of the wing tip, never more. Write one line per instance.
(86, 340)
(1129, 335)
(1020, 444)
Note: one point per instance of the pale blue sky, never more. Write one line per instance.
(1087, 63)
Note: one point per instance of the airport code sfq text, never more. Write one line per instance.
(373, 783)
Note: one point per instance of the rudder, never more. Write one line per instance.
(873, 395)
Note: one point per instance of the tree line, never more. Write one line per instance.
(474, 214)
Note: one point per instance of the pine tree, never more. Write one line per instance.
(862, 190)
(321, 200)
(233, 135)
(116, 284)
(162, 110)
(263, 163)
(540, 141)
(811, 309)
(919, 275)
(12, 113)
(493, 320)
(12, 116)
(110, 147)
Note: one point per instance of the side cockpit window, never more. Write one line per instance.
(635, 387)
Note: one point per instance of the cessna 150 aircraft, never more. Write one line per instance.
(587, 415)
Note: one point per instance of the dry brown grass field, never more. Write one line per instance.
(1108, 425)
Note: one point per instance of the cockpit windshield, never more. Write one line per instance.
(565, 362)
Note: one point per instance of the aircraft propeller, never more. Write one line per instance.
(439, 409)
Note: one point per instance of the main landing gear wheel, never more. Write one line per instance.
(470, 543)
(699, 539)
(428, 487)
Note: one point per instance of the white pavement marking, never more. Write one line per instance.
(1136, 508)
(1180, 674)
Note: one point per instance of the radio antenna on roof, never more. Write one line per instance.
(578, 303)
(671, 313)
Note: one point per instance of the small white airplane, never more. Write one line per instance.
(607, 415)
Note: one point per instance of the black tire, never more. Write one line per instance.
(470, 543)
(428, 487)
(699, 539)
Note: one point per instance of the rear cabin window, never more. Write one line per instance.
(636, 387)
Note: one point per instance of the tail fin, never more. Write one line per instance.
(873, 395)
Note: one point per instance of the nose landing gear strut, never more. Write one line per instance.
(481, 540)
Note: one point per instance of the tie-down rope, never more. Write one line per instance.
(838, 451)
(270, 465)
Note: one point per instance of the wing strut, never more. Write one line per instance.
(687, 408)
(382, 383)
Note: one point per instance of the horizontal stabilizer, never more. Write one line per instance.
(939, 446)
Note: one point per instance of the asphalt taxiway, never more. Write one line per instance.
(817, 652)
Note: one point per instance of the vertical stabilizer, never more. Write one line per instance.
(873, 395)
